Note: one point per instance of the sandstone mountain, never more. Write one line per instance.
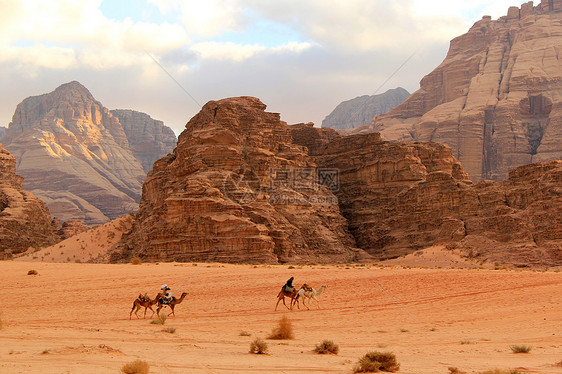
(2, 131)
(361, 110)
(148, 138)
(237, 189)
(77, 156)
(496, 99)
(24, 219)
(399, 197)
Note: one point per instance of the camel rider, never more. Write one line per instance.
(288, 287)
(166, 294)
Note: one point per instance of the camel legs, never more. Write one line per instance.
(135, 305)
(317, 302)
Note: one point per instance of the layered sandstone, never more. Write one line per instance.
(361, 110)
(237, 189)
(401, 197)
(149, 139)
(76, 156)
(496, 99)
(24, 219)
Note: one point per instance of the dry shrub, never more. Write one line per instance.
(373, 362)
(498, 371)
(520, 348)
(283, 331)
(245, 333)
(32, 272)
(170, 330)
(327, 346)
(136, 261)
(258, 346)
(135, 367)
(160, 320)
(454, 370)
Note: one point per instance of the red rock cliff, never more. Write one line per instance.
(236, 189)
(496, 99)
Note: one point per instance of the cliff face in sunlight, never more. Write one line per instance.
(496, 99)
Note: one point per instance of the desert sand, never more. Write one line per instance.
(74, 318)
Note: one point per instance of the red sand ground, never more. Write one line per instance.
(74, 318)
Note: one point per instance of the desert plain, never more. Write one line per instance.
(74, 318)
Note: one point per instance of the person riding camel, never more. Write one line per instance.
(166, 294)
(288, 287)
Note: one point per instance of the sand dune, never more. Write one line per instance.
(74, 318)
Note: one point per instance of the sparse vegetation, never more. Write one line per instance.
(327, 347)
(32, 272)
(135, 367)
(498, 371)
(170, 330)
(245, 333)
(463, 342)
(373, 362)
(404, 330)
(258, 346)
(45, 351)
(160, 320)
(136, 261)
(454, 370)
(283, 331)
(520, 348)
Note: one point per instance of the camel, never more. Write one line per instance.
(172, 303)
(146, 302)
(310, 293)
(291, 295)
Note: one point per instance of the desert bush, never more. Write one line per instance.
(454, 370)
(327, 346)
(520, 348)
(245, 333)
(160, 320)
(258, 346)
(32, 272)
(283, 331)
(498, 371)
(373, 362)
(135, 367)
(136, 261)
(170, 330)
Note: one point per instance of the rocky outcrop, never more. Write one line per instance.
(237, 189)
(76, 156)
(148, 138)
(401, 197)
(496, 99)
(361, 110)
(70, 228)
(24, 219)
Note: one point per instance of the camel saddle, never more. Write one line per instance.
(288, 289)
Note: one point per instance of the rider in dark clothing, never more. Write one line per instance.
(288, 287)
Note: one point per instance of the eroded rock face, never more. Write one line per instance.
(361, 110)
(496, 99)
(76, 156)
(2, 131)
(401, 197)
(148, 138)
(24, 219)
(236, 189)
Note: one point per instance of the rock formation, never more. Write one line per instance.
(401, 197)
(76, 156)
(24, 219)
(2, 131)
(148, 138)
(236, 189)
(361, 110)
(496, 99)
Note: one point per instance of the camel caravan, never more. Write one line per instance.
(303, 293)
(164, 299)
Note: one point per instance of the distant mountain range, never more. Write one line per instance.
(361, 110)
(84, 161)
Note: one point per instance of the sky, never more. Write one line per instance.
(167, 58)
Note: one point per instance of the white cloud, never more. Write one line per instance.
(228, 51)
